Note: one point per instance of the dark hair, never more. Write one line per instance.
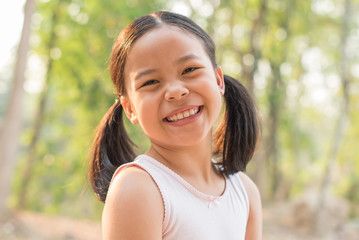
(237, 134)
(235, 137)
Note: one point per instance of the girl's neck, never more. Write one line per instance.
(193, 163)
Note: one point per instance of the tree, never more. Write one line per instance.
(13, 116)
(40, 113)
(343, 116)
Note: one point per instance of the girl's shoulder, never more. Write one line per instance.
(133, 206)
(254, 225)
(132, 180)
(250, 186)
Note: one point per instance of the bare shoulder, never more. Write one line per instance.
(129, 181)
(254, 224)
(133, 208)
(250, 186)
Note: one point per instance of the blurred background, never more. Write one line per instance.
(299, 59)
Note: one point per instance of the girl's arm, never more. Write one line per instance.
(133, 208)
(254, 224)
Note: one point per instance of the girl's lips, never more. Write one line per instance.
(183, 114)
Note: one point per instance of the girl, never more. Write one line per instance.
(164, 70)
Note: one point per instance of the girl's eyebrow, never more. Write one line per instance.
(186, 57)
(142, 73)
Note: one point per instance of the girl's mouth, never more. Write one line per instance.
(183, 115)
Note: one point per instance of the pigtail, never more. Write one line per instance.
(111, 148)
(236, 136)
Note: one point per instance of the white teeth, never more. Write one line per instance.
(185, 114)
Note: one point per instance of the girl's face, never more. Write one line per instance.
(172, 89)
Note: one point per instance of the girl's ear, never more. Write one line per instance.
(129, 110)
(220, 80)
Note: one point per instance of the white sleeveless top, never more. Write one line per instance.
(191, 214)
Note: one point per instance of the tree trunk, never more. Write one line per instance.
(280, 187)
(13, 116)
(39, 119)
(275, 101)
(254, 45)
(276, 95)
(342, 121)
(254, 48)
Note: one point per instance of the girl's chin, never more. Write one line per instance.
(184, 139)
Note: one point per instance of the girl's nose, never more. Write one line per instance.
(176, 92)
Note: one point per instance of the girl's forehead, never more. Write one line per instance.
(166, 41)
(166, 35)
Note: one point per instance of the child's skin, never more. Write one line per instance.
(168, 72)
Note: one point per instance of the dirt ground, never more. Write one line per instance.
(278, 224)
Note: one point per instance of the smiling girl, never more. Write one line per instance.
(167, 80)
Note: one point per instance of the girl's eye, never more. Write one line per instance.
(150, 82)
(188, 70)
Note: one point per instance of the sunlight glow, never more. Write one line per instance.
(286, 68)
(320, 89)
(35, 74)
(11, 20)
(326, 7)
(281, 34)
(181, 8)
(196, 3)
(355, 70)
(206, 10)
